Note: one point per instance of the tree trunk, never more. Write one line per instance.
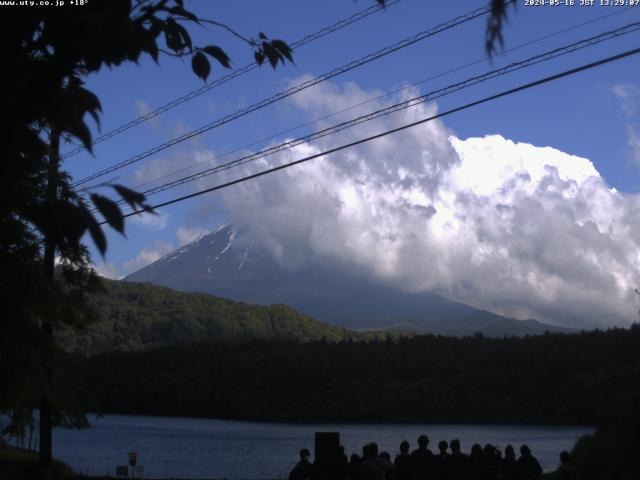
(46, 447)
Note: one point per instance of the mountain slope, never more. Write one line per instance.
(219, 264)
(134, 316)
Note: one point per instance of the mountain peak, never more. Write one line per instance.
(223, 264)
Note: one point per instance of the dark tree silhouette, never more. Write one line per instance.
(545, 379)
(49, 52)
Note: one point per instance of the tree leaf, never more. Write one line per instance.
(172, 38)
(283, 48)
(495, 23)
(147, 41)
(152, 49)
(88, 102)
(272, 54)
(200, 65)
(69, 224)
(110, 211)
(156, 28)
(132, 197)
(186, 38)
(178, 35)
(218, 54)
(79, 129)
(95, 231)
(179, 10)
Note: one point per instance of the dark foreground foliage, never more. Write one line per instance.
(548, 379)
(16, 464)
(611, 453)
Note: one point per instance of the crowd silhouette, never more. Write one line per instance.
(448, 463)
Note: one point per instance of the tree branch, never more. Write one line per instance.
(230, 30)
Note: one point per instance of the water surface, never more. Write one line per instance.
(203, 448)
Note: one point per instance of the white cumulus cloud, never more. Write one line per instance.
(628, 96)
(142, 108)
(107, 270)
(189, 234)
(522, 230)
(151, 221)
(148, 255)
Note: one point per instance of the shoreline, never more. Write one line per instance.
(358, 422)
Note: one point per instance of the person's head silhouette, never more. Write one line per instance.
(404, 447)
(509, 452)
(442, 446)
(525, 450)
(304, 455)
(455, 445)
(373, 450)
(476, 450)
(423, 441)
(565, 458)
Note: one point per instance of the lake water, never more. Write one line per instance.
(203, 448)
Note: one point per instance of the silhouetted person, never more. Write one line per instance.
(342, 464)
(422, 459)
(404, 463)
(355, 464)
(303, 470)
(527, 465)
(387, 457)
(366, 455)
(375, 467)
(490, 462)
(567, 469)
(508, 468)
(457, 468)
(441, 460)
(476, 464)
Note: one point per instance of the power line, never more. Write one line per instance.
(230, 76)
(534, 60)
(378, 97)
(295, 89)
(504, 93)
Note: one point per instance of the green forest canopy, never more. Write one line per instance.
(138, 316)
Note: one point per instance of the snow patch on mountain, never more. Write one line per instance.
(244, 258)
(232, 236)
(218, 228)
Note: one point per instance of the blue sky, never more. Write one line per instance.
(590, 115)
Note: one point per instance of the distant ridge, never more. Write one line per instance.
(135, 316)
(219, 264)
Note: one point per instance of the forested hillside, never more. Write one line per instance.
(138, 316)
(551, 378)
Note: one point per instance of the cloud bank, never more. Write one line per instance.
(152, 252)
(518, 229)
(148, 255)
